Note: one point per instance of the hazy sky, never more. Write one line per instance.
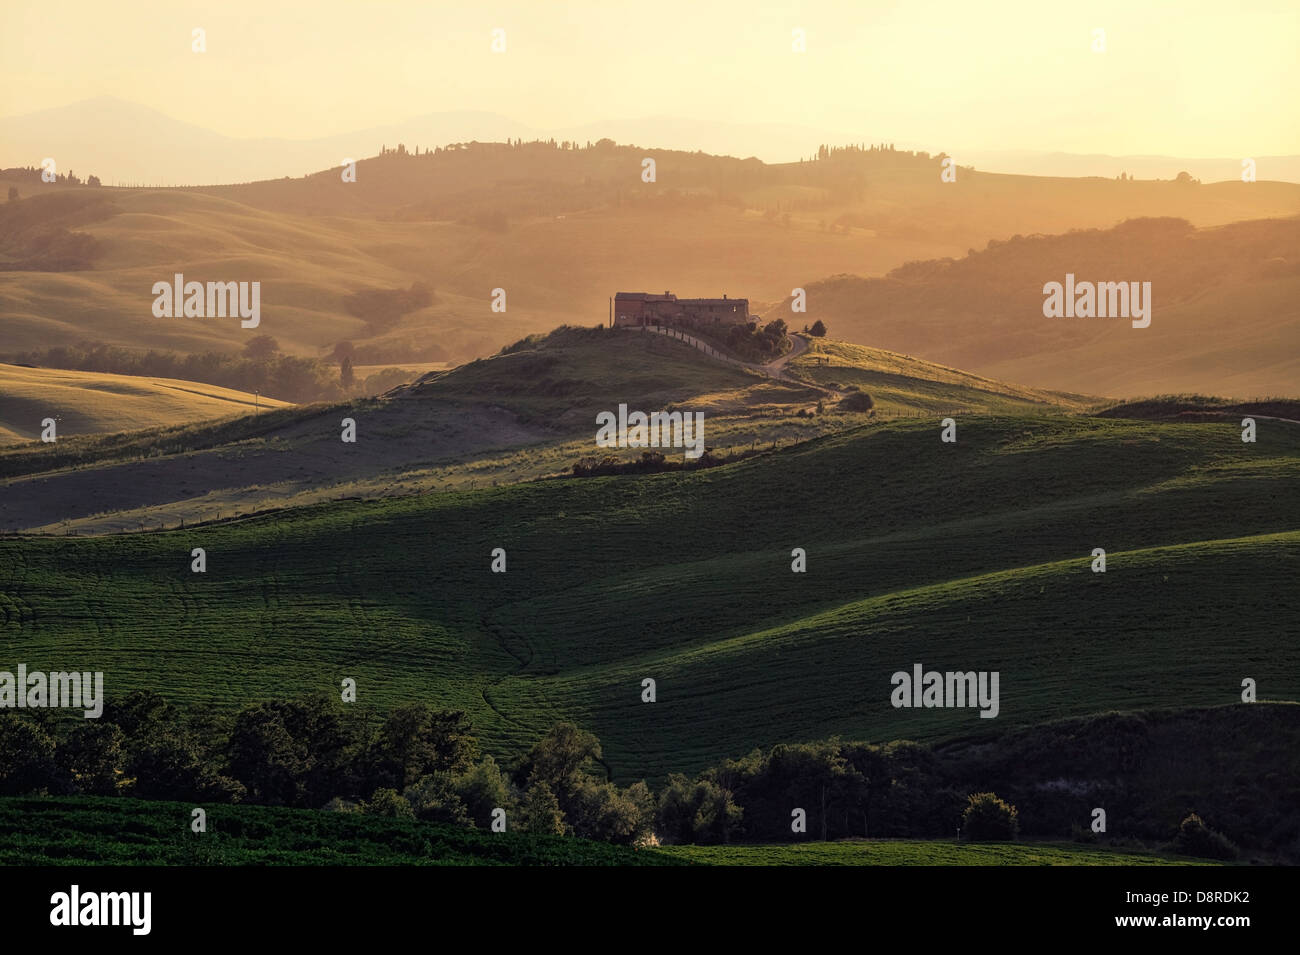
(1180, 78)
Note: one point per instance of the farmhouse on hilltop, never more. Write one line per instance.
(645, 308)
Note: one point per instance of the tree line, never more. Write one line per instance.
(420, 762)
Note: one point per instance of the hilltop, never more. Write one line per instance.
(526, 413)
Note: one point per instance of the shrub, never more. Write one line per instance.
(93, 754)
(540, 812)
(433, 798)
(697, 812)
(26, 757)
(381, 308)
(1195, 838)
(482, 790)
(988, 819)
(1080, 833)
(857, 401)
(388, 802)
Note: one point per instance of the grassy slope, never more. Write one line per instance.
(973, 556)
(903, 384)
(90, 831)
(1223, 309)
(517, 416)
(1189, 351)
(85, 402)
(99, 831)
(907, 852)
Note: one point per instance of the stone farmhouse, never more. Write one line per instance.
(645, 308)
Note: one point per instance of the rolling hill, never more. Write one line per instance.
(552, 226)
(83, 402)
(1225, 309)
(527, 413)
(102, 135)
(968, 556)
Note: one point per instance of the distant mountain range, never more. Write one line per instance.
(125, 143)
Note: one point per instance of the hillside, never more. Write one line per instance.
(88, 831)
(559, 229)
(526, 413)
(906, 852)
(1225, 317)
(902, 383)
(83, 402)
(968, 556)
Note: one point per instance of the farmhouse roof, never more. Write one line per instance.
(646, 297)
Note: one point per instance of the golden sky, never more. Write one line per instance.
(1180, 78)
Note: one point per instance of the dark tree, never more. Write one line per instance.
(261, 348)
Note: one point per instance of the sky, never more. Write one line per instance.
(1181, 78)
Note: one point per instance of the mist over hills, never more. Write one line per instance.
(560, 228)
(126, 143)
(1225, 309)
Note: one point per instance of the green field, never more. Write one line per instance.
(967, 556)
(913, 852)
(89, 831)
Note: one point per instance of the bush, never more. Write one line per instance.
(482, 790)
(388, 802)
(818, 330)
(540, 812)
(381, 309)
(1195, 838)
(754, 344)
(988, 819)
(93, 755)
(1080, 833)
(26, 758)
(433, 798)
(857, 401)
(697, 812)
